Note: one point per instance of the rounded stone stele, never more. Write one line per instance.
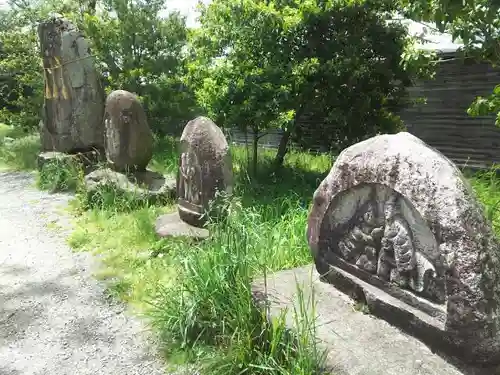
(397, 215)
(205, 168)
(129, 140)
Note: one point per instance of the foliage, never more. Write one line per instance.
(21, 73)
(215, 322)
(142, 52)
(261, 64)
(60, 174)
(17, 150)
(476, 23)
(136, 48)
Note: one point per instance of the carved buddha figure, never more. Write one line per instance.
(381, 242)
(361, 244)
(399, 261)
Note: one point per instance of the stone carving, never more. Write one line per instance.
(129, 149)
(397, 214)
(73, 109)
(205, 168)
(129, 140)
(379, 240)
(190, 179)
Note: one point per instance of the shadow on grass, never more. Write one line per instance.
(287, 187)
(270, 186)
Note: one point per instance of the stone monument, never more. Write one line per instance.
(129, 149)
(396, 225)
(205, 168)
(72, 119)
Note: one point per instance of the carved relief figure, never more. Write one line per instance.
(363, 239)
(190, 189)
(380, 241)
(399, 262)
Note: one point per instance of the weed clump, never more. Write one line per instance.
(211, 306)
(61, 174)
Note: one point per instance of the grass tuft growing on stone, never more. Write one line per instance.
(60, 174)
(210, 313)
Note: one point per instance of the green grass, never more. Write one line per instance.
(18, 150)
(197, 295)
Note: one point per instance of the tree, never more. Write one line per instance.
(142, 52)
(261, 64)
(476, 23)
(136, 48)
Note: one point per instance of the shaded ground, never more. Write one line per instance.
(54, 317)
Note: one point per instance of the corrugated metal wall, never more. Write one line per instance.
(443, 121)
(270, 140)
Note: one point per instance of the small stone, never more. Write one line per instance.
(171, 225)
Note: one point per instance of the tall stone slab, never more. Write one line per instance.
(396, 224)
(73, 110)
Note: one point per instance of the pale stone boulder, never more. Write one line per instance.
(73, 110)
(397, 214)
(129, 140)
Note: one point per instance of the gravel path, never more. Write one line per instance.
(54, 317)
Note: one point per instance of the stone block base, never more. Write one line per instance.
(354, 341)
(88, 160)
(146, 185)
(171, 225)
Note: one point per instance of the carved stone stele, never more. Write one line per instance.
(205, 167)
(397, 214)
(129, 139)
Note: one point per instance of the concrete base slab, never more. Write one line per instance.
(356, 343)
(171, 225)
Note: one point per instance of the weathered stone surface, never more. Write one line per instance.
(399, 215)
(205, 167)
(171, 225)
(355, 343)
(146, 185)
(74, 98)
(129, 140)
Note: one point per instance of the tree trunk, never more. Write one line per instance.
(74, 98)
(283, 146)
(255, 149)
